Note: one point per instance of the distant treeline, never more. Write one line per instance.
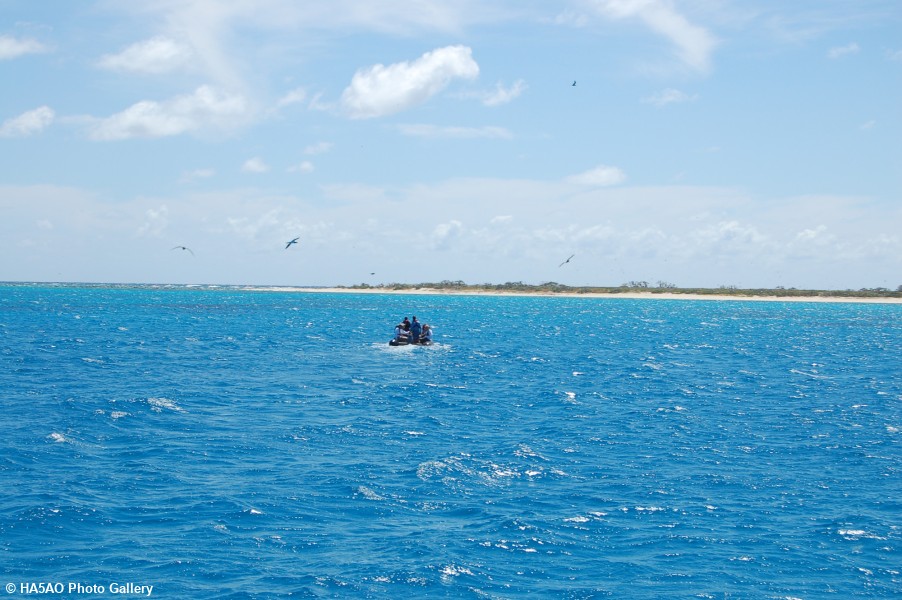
(661, 287)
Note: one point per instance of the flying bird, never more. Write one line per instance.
(294, 241)
(183, 248)
(566, 261)
(574, 83)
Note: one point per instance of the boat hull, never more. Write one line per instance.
(397, 342)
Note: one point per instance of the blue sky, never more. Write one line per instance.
(705, 143)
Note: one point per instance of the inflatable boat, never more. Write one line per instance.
(405, 342)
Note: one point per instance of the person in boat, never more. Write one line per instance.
(415, 330)
(406, 324)
(401, 335)
(426, 336)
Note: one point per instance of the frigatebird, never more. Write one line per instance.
(183, 248)
(294, 241)
(566, 261)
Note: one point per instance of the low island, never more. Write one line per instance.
(632, 290)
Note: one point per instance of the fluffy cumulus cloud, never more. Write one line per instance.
(600, 176)
(11, 47)
(28, 123)
(206, 107)
(157, 55)
(383, 90)
(694, 44)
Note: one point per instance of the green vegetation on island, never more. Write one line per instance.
(661, 287)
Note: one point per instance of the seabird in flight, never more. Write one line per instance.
(183, 248)
(294, 241)
(566, 261)
(574, 83)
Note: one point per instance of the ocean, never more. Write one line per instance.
(236, 443)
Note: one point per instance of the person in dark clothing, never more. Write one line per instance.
(415, 329)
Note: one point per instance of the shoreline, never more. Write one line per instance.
(425, 291)
(818, 296)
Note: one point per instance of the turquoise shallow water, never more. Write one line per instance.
(225, 443)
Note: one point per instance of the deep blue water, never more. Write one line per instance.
(247, 444)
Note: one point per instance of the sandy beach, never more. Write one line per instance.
(612, 296)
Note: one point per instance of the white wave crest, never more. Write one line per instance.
(368, 493)
(158, 404)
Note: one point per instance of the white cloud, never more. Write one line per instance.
(435, 131)
(694, 43)
(445, 234)
(600, 176)
(812, 243)
(206, 107)
(841, 51)
(317, 103)
(155, 221)
(503, 95)
(691, 236)
(250, 228)
(304, 167)
(669, 96)
(11, 47)
(211, 29)
(868, 125)
(318, 148)
(293, 97)
(379, 90)
(731, 237)
(156, 56)
(255, 165)
(28, 123)
(812, 234)
(894, 55)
